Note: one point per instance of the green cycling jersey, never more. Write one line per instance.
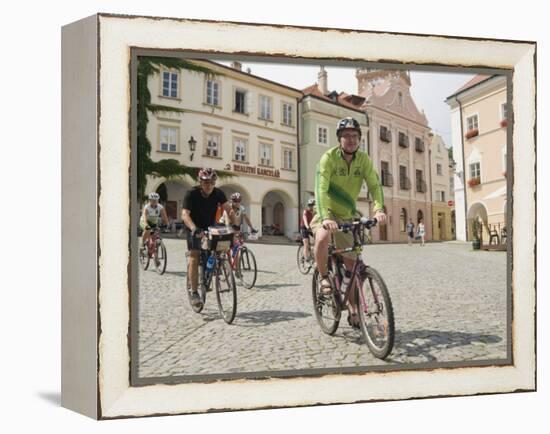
(337, 184)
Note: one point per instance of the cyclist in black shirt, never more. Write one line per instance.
(200, 207)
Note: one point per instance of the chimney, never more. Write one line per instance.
(323, 81)
(237, 65)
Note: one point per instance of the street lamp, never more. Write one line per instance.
(192, 146)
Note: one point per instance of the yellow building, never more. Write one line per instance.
(478, 122)
(443, 191)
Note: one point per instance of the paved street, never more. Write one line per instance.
(449, 304)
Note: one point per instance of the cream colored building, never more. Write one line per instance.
(479, 134)
(443, 211)
(320, 112)
(236, 122)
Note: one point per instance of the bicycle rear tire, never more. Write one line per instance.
(247, 266)
(160, 264)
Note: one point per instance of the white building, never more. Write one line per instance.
(232, 121)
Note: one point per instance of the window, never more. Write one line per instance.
(265, 154)
(287, 114)
(288, 159)
(213, 145)
(168, 139)
(385, 174)
(212, 92)
(403, 220)
(439, 169)
(239, 146)
(472, 122)
(452, 183)
(418, 144)
(403, 140)
(265, 107)
(440, 196)
(420, 184)
(322, 135)
(503, 111)
(240, 101)
(385, 134)
(400, 99)
(404, 182)
(475, 170)
(170, 84)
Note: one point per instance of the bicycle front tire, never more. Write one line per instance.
(226, 290)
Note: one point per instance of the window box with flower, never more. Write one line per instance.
(503, 122)
(472, 133)
(474, 181)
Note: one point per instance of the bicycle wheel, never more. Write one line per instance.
(376, 314)
(303, 265)
(160, 257)
(246, 269)
(144, 258)
(201, 289)
(326, 307)
(226, 290)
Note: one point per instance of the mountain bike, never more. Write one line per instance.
(304, 264)
(366, 291)
(243, 261)
(154, 249)
(214, 267)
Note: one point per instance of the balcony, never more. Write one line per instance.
(404, 183)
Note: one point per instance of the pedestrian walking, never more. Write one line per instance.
(410, 231)
(421, 231)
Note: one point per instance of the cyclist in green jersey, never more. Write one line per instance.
(340, 175)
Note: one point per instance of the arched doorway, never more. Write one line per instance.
(172, 194)
(419, 216)
(277, 214)
(478, 211)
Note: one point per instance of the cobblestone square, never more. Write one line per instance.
(449, 304)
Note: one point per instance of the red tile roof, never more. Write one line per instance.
(353, 102)
(475, 80)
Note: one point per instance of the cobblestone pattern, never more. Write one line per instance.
(449, 304)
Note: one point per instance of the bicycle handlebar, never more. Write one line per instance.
(363, 221)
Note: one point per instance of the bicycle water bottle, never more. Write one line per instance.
(210, 265)
(345, 281)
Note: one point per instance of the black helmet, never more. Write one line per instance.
(347, 123)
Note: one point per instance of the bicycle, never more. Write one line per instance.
(214, 266)
(304, 265)
(243, 261)
(154, 249)
(375, 310)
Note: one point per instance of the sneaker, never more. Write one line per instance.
(196, 299)
(324, 286)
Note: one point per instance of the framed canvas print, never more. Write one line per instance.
(261, 216)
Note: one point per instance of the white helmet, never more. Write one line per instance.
(154, 196)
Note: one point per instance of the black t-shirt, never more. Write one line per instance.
(203, 209)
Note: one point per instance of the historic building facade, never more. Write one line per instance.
(443, 212)
(479, 139)
(232, 121)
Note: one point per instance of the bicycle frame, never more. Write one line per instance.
(154, 235)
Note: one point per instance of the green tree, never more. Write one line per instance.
(167, 168)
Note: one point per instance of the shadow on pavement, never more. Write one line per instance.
(274, 286)
(420, 343)
(176, 273)
(51, 397)
(266, 317)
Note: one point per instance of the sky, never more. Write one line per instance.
(428, 89)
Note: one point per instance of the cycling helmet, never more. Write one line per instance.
(236, 197)
(207, 174)
(347, 123)
(311, 202)
(154, 196)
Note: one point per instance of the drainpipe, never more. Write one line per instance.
(298, 169)
(463, 168)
